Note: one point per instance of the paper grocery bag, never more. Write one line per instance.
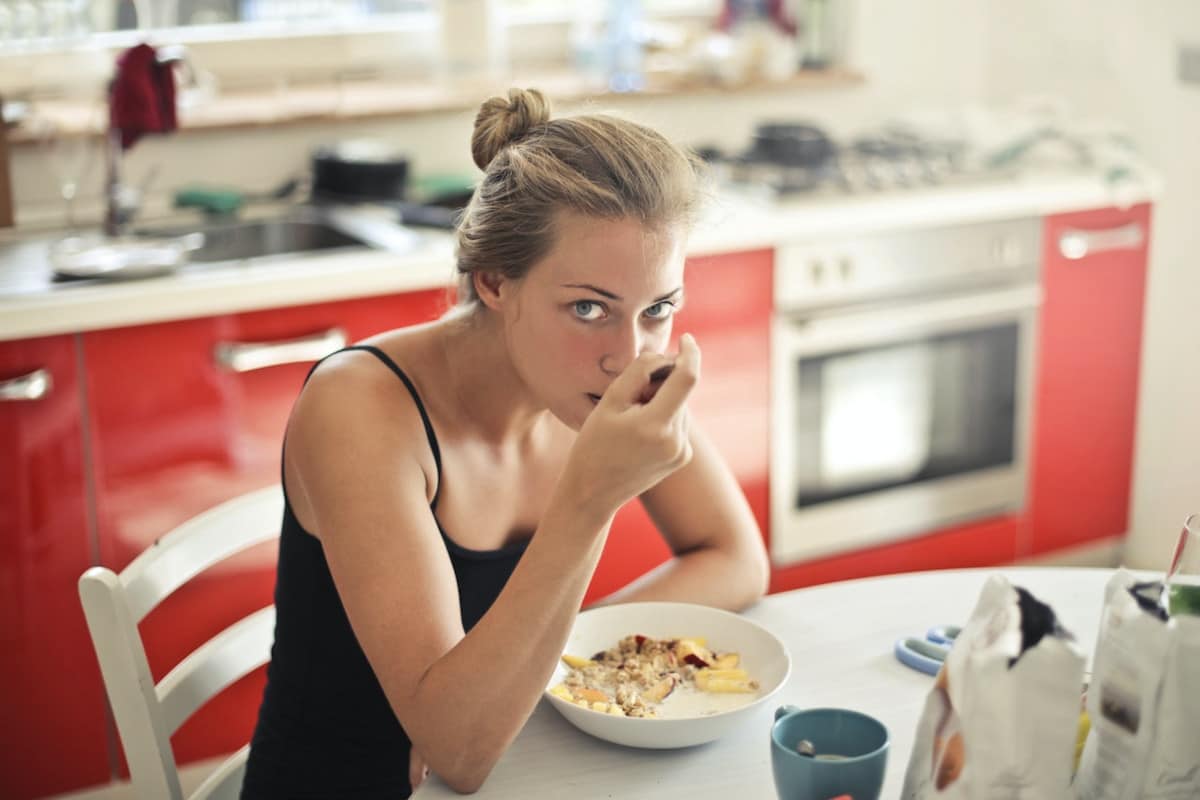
(1002, 717)
(1143, 700)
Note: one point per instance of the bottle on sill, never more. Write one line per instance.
(817, 41)
(624, 58)
(474, 40)
(588, 43)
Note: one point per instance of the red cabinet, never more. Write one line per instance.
(187, 414)
(981, 543)
(1085, 401)
(728, 310)
(53, 736)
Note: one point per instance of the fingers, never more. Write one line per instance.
(679, 384)
(656, 381)
(417, 771)
(629, 386)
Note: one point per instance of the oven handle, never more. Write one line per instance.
(822, 334)
(1079, 244)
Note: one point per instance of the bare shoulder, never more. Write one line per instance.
(355, 424)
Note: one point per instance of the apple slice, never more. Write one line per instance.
(726, 661)
(593, 695)
(659, 691)
(704, 676)
(577, 662)
(692, 651)
(731, 686)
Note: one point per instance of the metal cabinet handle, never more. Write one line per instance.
(249, 356)
(1077, 244)
(33, 386)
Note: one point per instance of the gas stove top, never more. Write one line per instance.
(881, 162)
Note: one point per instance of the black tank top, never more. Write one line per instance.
(325, 728)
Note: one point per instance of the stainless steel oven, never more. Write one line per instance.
(901, 378)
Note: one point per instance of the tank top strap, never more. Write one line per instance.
(412, 390)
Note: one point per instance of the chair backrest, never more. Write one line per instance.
(147, 714)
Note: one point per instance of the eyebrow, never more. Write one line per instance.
(611, 296)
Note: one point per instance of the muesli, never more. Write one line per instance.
(633, 678)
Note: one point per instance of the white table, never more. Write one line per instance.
(840, 637)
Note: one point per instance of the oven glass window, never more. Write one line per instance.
(911, 411)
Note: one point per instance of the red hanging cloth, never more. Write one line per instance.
(142, 95)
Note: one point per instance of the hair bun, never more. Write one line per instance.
(502, 121)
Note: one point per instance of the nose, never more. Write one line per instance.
(624, 346)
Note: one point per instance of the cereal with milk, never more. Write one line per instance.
(634, 678)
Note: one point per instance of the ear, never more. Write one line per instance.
(491, 288)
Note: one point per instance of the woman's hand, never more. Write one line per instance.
(629, 443)
(418, 770)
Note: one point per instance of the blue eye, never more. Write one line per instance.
(661, 310)
(587, 310)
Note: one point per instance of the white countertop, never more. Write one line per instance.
(32, 306)
(840, 637)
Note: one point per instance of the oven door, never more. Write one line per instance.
(897, 420)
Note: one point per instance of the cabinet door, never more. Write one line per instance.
(188, 414)
(1090, 338)
(728, 310)
(53, 735)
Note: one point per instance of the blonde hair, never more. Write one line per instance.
(535, 168)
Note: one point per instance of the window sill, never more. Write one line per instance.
(361, 99)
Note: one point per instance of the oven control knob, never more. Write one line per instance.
(816, 271)
(845, 268)
(1006, 252)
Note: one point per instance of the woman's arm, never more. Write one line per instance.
(462, 698)
(719, 556)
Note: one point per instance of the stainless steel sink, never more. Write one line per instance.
(268, 238)
(32, 264)
(242, 239)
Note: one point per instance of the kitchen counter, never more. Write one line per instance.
(31, 305)
(44, 309)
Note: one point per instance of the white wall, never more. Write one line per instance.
(1118, 60)
(892, 45)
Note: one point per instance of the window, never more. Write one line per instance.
(61, 24)
(46, 45)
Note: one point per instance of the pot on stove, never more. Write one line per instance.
(360, 170)
(791, 144)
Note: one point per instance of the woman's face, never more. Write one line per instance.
(606, 292)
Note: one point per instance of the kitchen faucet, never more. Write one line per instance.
(121, 202)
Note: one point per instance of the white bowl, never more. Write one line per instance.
(685, 718)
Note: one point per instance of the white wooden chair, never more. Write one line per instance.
(148, 714)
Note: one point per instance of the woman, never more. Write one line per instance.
(450, 486)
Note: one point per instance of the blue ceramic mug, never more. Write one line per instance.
(850, 754)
